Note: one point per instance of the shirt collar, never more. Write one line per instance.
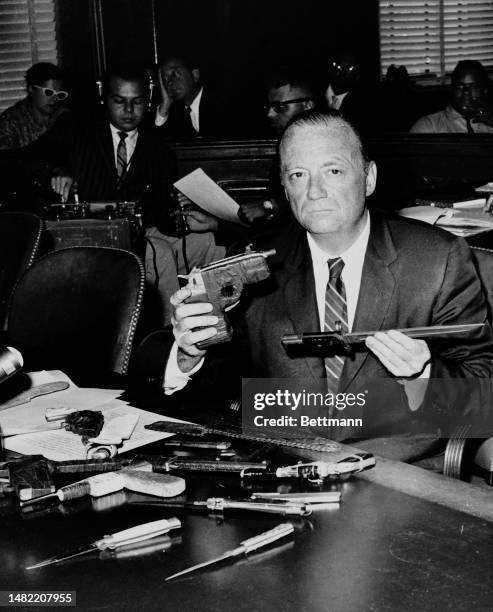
(130, 135)
(354, 255)
(330, 92)
(194, 107)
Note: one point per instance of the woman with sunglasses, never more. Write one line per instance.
(30, 118)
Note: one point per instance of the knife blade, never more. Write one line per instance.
(26, 396)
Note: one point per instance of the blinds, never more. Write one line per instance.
(431, 36)
(27, 36)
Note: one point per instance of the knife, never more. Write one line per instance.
(26, 396)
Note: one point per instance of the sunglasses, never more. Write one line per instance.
(50, 93)
(278, 107)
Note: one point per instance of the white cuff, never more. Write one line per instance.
(174, 378)
(159, 119)
(416, 388)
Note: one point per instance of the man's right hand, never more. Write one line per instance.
(62, 186)
(166, 100)
(186, 319)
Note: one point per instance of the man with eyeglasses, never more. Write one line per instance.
(30, 118)
(289, 94)
(469, 110)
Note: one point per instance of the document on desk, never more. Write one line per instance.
(207, 194)
(26, 430)
(465, 222)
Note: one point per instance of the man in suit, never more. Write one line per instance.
(469, 110)
(120, 158)
(338, 262)
(189, 108)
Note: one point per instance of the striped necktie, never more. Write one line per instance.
(121, 155)
(335, 310)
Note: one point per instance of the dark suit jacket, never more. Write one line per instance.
(413, 275)
(88, 156)
(214, 119)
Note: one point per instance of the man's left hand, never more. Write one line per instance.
(401, 355)
(199, 221)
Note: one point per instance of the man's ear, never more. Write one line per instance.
(196, 75)
(308, 104)
(371, 178)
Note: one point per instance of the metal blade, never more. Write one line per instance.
(226, 555)
(76, 553)
(29, 394)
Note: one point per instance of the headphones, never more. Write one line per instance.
(150, 87)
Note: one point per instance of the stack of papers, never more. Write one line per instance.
(25, 429)
(459, 222)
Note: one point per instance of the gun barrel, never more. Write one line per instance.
(330, 337)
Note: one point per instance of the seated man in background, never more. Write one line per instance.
(469, 111)
(289, 93)
(338, 263)
(349, 91)
(121, 158)
(189, 108)
(27, 120)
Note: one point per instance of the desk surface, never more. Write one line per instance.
(380, 550)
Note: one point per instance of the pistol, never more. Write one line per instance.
(221, 283)
(339, 343)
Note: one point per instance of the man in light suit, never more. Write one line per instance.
(396, 273)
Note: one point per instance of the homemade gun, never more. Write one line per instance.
(338, 343)
(221, 283)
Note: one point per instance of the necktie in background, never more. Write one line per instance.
(121, 155)
(470, 129)
(335, 310)
(189, 129)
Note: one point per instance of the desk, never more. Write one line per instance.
(381, 550)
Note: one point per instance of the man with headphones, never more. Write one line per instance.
(121, 156)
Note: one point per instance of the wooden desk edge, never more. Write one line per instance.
(423, 484)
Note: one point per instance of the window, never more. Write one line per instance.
(27, 36)
(429, 37)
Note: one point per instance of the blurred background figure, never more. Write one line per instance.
(469, 110)
(189, 108)
(349, 91)
(30, 118)
(289, 93)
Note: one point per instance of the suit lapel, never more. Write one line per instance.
(300, 297)
(375, 294)
(106, 144)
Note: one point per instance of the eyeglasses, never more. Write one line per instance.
(278, 107)
(49, 93)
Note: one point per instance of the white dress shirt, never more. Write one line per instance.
(194, 113)
(130, 143)
(334, 101)
(353, 259)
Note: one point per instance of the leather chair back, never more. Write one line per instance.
(77, 309)
(20, 240)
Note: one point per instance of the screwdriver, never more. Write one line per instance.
(281, 531)
(95, 486)
(139, 533)
(218, 504)
(160, 485)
